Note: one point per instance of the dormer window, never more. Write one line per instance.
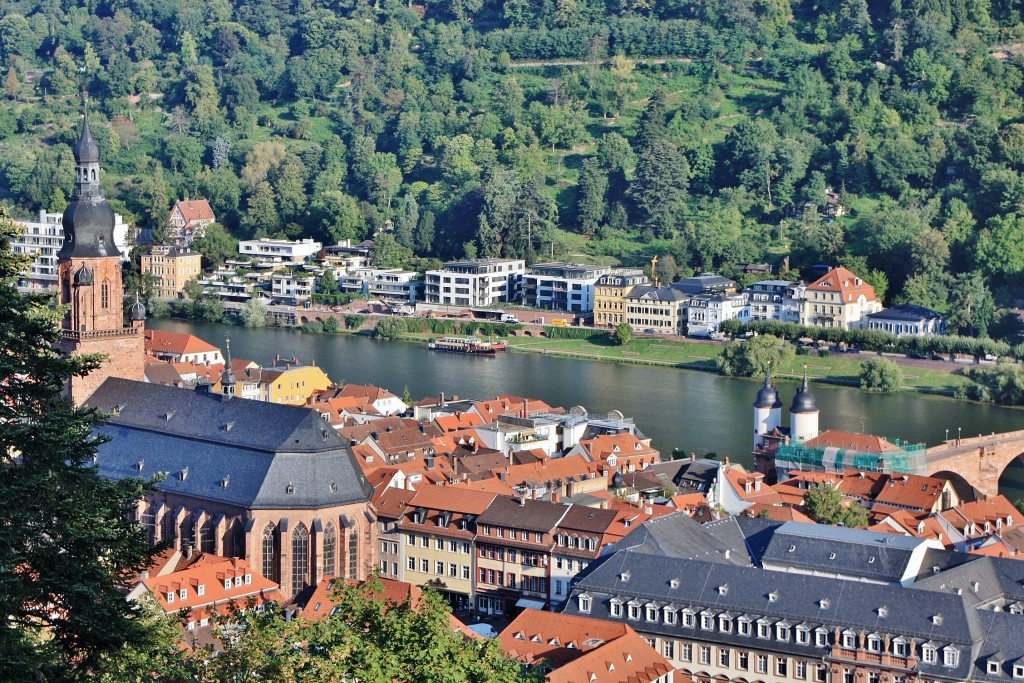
(633, 610)
(764, 629)
(201, 590)
(743, 626)
(183, 593)
(929, 655)
(849, 640)
(1018, 670)
(688, 618)
(782, 632)
(874, 643)
(899, 647)
(584, 602)
(670, 615)
(707, 622)
(821, 638)
(170, 598)
(950, 656)
(227, 584)
(725, 623)
(616, 607)
(803, 635)
(993, 667)
(652, 612)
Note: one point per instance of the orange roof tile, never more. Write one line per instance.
(194, 210)
(455, 499)
(581, 649)
(220, 579)
(159, 341)
(862, 443)
(623, 445)
(457, 421)
(843, 281)
(912, 491)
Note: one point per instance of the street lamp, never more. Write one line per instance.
(947, 434)
(958, 434)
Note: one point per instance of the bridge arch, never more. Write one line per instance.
(979, 460)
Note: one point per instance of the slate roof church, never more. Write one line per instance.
(269, 483)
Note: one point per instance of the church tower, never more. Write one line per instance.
(89, 273)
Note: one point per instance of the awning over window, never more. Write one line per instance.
(530, 604)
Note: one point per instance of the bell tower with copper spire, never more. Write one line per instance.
(89, 273)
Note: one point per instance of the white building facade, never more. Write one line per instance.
(707, 312)
(283, 251)
(562, 286)
(476, 282)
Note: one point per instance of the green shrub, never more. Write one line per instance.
(881, 375)
(390, 328)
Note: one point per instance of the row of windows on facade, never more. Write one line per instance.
(301, 556)
(182, 593)
(783, 631)
(761, 662)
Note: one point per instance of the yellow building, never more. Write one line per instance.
(291, 384)
(610, 295)
(172, 267)
(437, 530)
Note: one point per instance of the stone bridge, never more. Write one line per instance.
(975, 462)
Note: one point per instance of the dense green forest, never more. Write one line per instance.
(610, 131)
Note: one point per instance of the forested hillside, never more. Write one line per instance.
(704, 132)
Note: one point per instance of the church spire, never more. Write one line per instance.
(227, 380)
(88, 219)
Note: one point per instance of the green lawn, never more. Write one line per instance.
(835, 368)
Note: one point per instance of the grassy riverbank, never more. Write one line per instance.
(837, 368)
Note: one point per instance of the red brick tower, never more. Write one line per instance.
(89, 272)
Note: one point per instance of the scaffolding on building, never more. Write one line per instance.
(909, 459)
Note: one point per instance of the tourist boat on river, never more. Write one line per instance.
(467, 345)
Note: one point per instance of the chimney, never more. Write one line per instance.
(693, 457)
(429, 463)
(188, 551)
(556, 497)
(727, 461)
(440, 399)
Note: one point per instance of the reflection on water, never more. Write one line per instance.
(698, 412)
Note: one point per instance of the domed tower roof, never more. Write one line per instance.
(227, 380)
(804, 401)
(83, 277)
(767, 396)
(138, 311)
(86, 150)
(618, 481)
(88, 220)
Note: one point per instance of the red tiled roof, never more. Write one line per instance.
(842, 280)
(581, 649)
(912, 491)
(457, 421)
(862, 443)
(623, 445)
(454, 499)
(210, 572)
(194, 210)
(159, 341)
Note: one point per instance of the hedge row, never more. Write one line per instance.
(876, 340)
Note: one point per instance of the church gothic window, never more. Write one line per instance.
(330, 543)
(186, 533)
(270, 568)
(353, 552)
(300, 558)
(105, 295)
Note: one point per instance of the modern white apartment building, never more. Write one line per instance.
(284, 251)
(476, 282)
(43, 238)
(292, 288)
(391, 284)
(562, 286)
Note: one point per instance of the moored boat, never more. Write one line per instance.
(467, 345)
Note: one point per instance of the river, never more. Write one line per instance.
(698, 412)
